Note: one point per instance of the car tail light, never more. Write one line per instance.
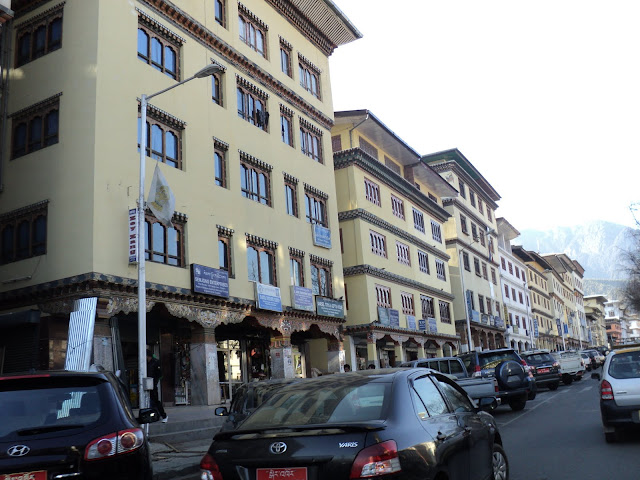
(495, 386)
(477, 372)
(606, 392)
(114, 444)
(376, 460)
(556, 365)
(209, 469)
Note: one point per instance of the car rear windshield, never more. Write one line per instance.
(625, 365)
(492, 359)
(539, 358)
(30, 408)
(306, 404)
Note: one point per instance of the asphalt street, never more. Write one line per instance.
(559, 436)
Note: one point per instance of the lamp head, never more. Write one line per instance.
(209, 70)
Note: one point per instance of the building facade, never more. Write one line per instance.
(397, 285)
(614, 317)
(471, 237)
(594, 307)
(246, 281)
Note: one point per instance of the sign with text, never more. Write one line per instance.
(536, 333)
(411, 322)
(433, 325)
(475, 316)
(210, 281)
(133, 235)
(558, 326)
(383, 315)
(321, 236)
(329, 307)
(302, 298)
(422, 324)
(268, 297)
(394, 317)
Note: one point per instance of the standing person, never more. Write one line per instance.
(347, 367)
(153, 370)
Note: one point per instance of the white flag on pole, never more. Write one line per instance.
(161, 200)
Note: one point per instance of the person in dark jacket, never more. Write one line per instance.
(154, 371)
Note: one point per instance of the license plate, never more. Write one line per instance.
(39, 475)
(295, 473)
(543, 370)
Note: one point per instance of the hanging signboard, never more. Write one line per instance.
(321, 236)
(411, 322)
(210, 281)
(536, 333)
(433, 325)
(329, 307)
(302, 298)
(133, 235)
(268, 297)
(383, 315)
(422, 324)
(394, 317)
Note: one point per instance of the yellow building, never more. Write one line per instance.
(541, 301)
(471, 239)
(397, 287)
(247, 154)
(595, 311)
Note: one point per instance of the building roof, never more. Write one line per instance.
(506, 229)
(366, 122)
(454, 155)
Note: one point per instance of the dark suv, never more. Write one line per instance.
(515, 382)
(544, 367)
(66, 424)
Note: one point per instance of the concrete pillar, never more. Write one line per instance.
(421, 352)
(103, 344)
(335, 357)
(205, 378)
(350, 352)
(372, 354)
(281, 357)
(399, 351)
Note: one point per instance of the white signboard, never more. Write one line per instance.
(133, 235)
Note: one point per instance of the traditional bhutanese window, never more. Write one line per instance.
(255, 179)
(311, 141)
(39, 36)
(225, 236)
(321, 276)
(165, 244)
(253, 31)
(296, 266)
(158, 46)
(252, 104)
(261, 260)
(309, 76)
(220, 150)
(35, 127)
(164, 136)
(23, 233)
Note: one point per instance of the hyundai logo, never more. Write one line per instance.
(19, 450)
(278, 448)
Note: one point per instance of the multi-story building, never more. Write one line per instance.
(245, 282)
(470, 237)
(521, 329)
(594, 307)
(614, 314)
(397, 283)
(633, 328)
(541, 304)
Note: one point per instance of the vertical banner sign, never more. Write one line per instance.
(394, 317)
(558, 326)
(411, 322)
(422, 324)
(469, 304)
(133, 235)
(536, 333)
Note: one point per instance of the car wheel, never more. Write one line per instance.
(610, 437)
(567, 380)
(500, 463)
(554, 386)
(578, 378)
(532, 395)
(518, 404)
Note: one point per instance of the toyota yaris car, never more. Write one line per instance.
(620, 391)
(71, 425)
(392, 423)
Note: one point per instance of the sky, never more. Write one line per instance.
(542, 97)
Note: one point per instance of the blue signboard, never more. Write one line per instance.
(394, 317)
(268, 297)
(499, 323)
(566, 329)
(209, 281)
(301, 298)
(321, 236)
(535, 328)
(559, 327)
(329, 307)
(422, 324)
(383, 315)
(475, 316)
(433, 325)
(469, 302)
(411, 322)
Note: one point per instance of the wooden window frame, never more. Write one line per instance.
(283, 129)
(445, 311)
(270, 251)
(28, 32)
(485, 273)
(222, 18)
(466, 264)
(441, 270)
(436, 231)
(308, 73)
(397, 207)
(165, 128)
(225, 236)
(383, 296)
(494, 278)
(372, 192)
(36, 242)
(299, 259)
(472, 198)
(289, 183)
(375, 239)
(29, 118)
(258, 117)
(403, 253)
(165, 41)
(249, 26)
(423, 262)
(408, 306)
(481, 303)
(336, 143)
(463, 191)
(315, 264)
(217, 88)
(463, 224)
(220, 151)
(309, 138)
(286, 66)
(368, 148)
(418, 220)
(312, 200)
(474, 231)
(476, 266)
(179, 226)
(506, 291)
(428, 306)
(247, 169)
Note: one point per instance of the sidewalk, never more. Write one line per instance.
(178, 445)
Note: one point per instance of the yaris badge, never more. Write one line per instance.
(278, 448)
(18, 451)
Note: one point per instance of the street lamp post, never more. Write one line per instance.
(466, 303)
(142, 290)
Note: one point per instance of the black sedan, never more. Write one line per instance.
(71, 425)
(545, 369)
(392, 423)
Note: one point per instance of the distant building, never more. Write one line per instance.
(594, 307)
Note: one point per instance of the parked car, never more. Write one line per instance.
(545, 369)
(476, 387)
(571, 365)
(396, 423)
(620, 391)
(247, 398)
(587, 362)
(595, 357)
(516, 384)
(63, 424)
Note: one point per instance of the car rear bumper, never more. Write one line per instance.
(547, 378)
(614, 415)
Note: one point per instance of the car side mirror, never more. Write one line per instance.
(148, 415)
(221, 412)
(487, 404)
(595, 376)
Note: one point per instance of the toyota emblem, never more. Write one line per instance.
(19, 450)
(278, 448)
